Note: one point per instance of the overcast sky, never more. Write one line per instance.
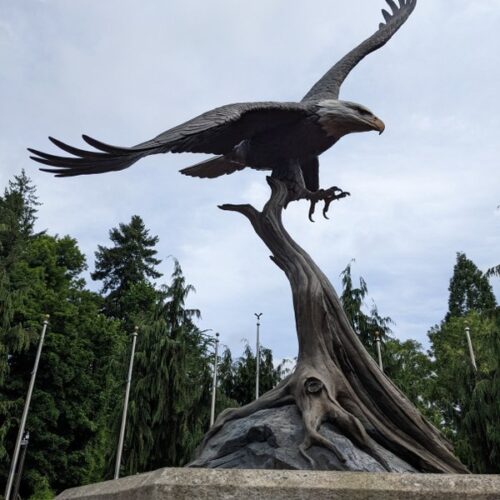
(123, 71)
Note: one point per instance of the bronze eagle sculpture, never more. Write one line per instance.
(283, 137)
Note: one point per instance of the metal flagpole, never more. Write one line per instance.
(17, 483)
(214, 384)
(20, 434)
(379, 352)
(125, 407)
(257, 356)
(471, 350)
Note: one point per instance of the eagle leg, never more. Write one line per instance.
(326, 195)
(302, 182)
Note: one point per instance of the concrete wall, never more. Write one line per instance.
(210, 484)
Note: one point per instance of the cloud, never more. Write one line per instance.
(124, 71)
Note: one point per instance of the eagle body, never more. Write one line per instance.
(296, 141)
(284, 137)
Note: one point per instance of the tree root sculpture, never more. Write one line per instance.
(335, 379)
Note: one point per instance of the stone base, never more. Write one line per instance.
(268, 439)
(189, 484)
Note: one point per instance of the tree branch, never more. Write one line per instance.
(335, 378)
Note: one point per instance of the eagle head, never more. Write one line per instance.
(338, 118)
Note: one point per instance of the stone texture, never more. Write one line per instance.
(269, 439)
(192, 484)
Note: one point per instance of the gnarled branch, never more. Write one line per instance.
(335, 379)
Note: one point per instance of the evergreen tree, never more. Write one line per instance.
(353, 302)
(408, 366)
(481, 420)
(469, 289)
(226, 377)
(225, 382)
(237, 379)
(22, 199)
(72, 393)
(125, 270)
(68, 416)
(170, 396)
(404, 362)
(18, 208)
(469, 401)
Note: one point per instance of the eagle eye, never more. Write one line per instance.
(362, 112)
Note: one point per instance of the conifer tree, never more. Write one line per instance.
(404, 362)
(21, 198)
(469, 401)
(237, 379)
(68, 420)
(73, 391)
(469, 289)
(225, 382)
(18, 208)
(170, 397)
(481, 420)
(353, 303)
(411, 369)
(126, 268)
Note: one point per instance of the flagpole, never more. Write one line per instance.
(17, 482)
(214, 383)
(20, 433)
(125, 407)
(257, 356)
(379, 351)
(471, 349)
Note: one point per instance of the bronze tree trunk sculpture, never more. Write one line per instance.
(335, 379)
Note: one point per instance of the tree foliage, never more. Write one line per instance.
(125, 269)
(404, 362)
(469, 289)
(411, 369)
(365, 324)
(71, 397)
(18, 208)
(469, 401)
(237, 378)
(76, 407)
(170, 399)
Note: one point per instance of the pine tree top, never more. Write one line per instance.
(469, 289)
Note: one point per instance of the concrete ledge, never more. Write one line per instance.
(210, 484)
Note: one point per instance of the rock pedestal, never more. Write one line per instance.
(268, 439)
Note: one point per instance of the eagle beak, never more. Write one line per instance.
(379, 125)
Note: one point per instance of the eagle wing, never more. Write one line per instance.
(328, 87)
(217, 132)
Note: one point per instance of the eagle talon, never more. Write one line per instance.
(312, 207)
(326, 208)
(326, 195)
